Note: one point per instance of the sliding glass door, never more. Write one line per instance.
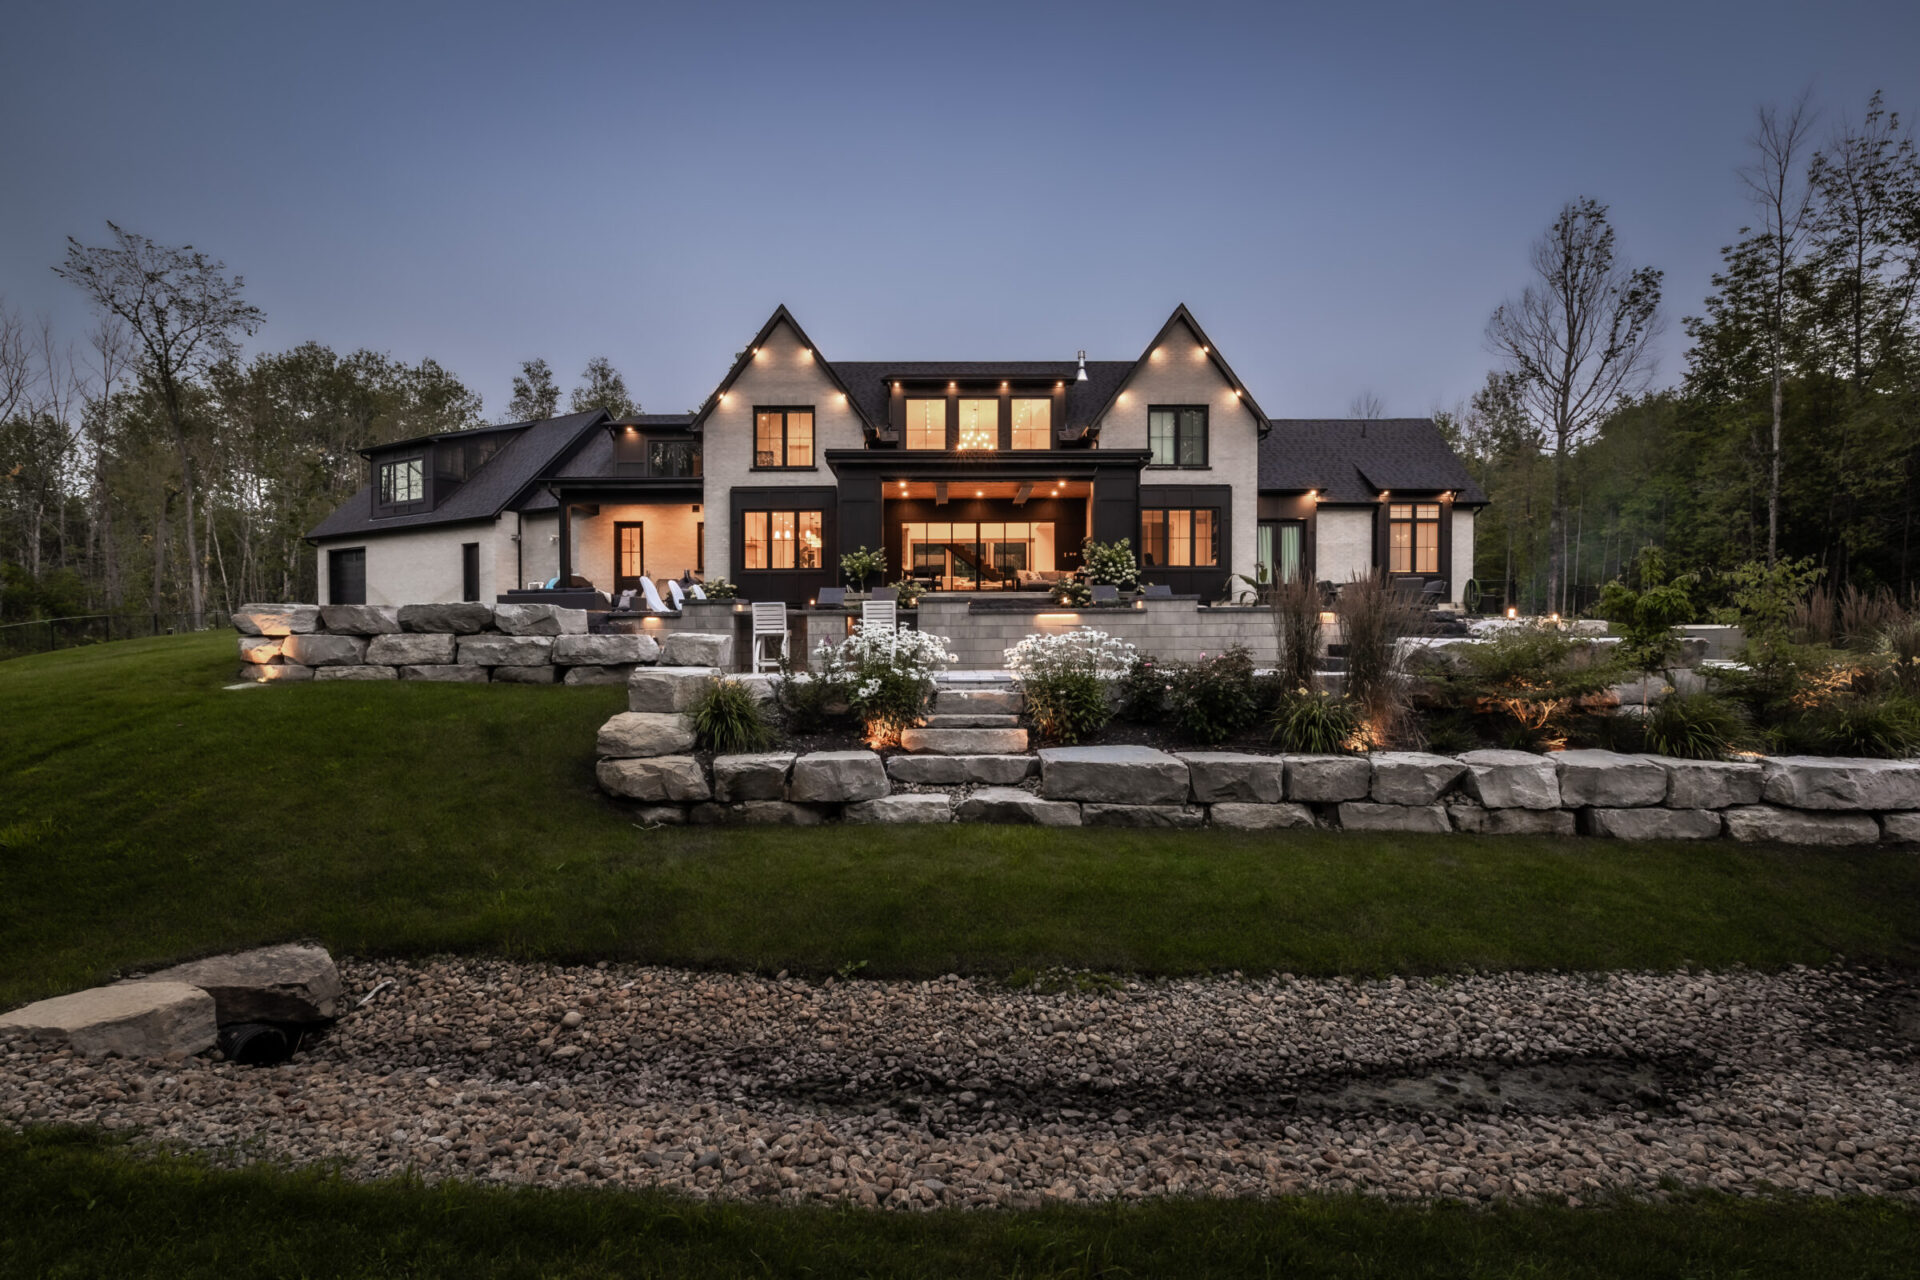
(973, 556)
(1282, 549)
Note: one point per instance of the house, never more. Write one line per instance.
(967, 475)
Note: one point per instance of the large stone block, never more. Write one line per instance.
(1113, 775)
(837, 777)
(539, 620)
(579, 651)
(1328, 779)
(958, 701)
(760, 775)
(354, 673)
(1238, 816)
(1653, 824)
(1512, 780)
(667, 688)
(359, 619)
(131, 1019)
(292, 983)
(463, 619)
(533, 673)
(660, 779)
(1475, 820)
(1823, 782)
(755, 813)
(1711, 784)
(636, 734)
(596, 675)
(457, 673)
(1413, 777)
(414, 650)
(1610, 780)
(890, 810)
(958, 771)
(698, 649)
(1796, 826)
(1142, 815)
(1363, 815)
(275, 672)
(1235, 777)
(506, 651)
(276, 619)
(1900, 828)
(1014, 806)
(259, 649)
(964, 742)
(324, 650)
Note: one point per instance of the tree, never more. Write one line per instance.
(602, 387)
(1579, 338)
(185, 316)
(1366, 405)
(535, 394)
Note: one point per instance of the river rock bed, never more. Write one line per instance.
(963, 1092)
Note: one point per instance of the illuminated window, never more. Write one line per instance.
(926, 424)
(979, 424)
(1179, 537)
(402, 482)
(782, 438)
(1413, 537)
(781, 540)
(1177, 435)
(1033, 424)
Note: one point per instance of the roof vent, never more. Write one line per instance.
(1082, 375)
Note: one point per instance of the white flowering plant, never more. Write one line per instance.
(889, 674)
(1064, 677)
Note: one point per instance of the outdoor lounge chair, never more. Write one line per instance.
(831, 598)
(769, 624)
(652, 593)
(886, 593)
(1106, 594)
(697, 591)
(1159, 591)
(675, 594)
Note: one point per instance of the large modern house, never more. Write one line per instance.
(973, 475)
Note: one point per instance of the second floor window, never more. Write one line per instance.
(1033, 424)
(402, 482)
(926, 424)
(782, 438)
(1177, 434)
(1413, 537)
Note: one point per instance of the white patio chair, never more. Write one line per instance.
(769, 623)
(678, 596)
(697, 591)
(879, 615)
(652, 594)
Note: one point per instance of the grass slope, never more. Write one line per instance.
(147, 815)
(78, 1205)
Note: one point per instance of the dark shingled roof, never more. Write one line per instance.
(594, 458)
(1352, 460)
(520, 461)
(867, 383)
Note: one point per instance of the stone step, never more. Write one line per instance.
(942, 720)
(963, 742)
(959, 701)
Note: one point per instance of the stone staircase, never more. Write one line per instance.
(970, 722)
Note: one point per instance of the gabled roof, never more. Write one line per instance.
(867, 384)
(1183, 316)
(780, 316)
(502, 481)
(1354, 459)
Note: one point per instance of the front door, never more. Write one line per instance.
(629, 555)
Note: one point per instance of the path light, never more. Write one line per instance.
(1512, 612)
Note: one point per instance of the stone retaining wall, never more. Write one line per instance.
(1169, 630)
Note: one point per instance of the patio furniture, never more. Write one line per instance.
(831, 598)
(1159, 591)
(1106, 594)
(886, 593)
(769, 623)
(678, 596)
(697, 591)
(880, 615)
(652, 593)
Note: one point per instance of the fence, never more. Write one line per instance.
(43, 635)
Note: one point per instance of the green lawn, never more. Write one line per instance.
(148, 815)
(78, 1206)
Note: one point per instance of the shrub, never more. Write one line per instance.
(1693, 726)
(1885, 728)
(1142, 690)
(1645, 607)
(1296, 631)
(813, 700)
(1072, 592)
(1900, 650)
(1766, 599)
(860, 564)
(910, 590)
(1316, 724)
(727, 719)
(720, 589)
(1064, 678)
(1372, 623)
(1531, 676)
(1110, 563)
(889, 673)
(1212, 700)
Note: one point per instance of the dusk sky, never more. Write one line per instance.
(1341, 193)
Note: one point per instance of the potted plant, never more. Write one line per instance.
(859, 565)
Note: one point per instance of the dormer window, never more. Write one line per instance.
(402, 481)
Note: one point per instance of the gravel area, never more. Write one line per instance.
(961, 1092)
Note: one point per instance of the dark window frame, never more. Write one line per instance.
(469, 571)
(1214, 537)
(786, 438)
(1416, 520)
(770, 512)
(388, 492)
(1180, 432)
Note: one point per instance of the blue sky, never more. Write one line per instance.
(1341, 193)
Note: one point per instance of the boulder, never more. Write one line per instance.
(1014, 806)
(1142, 815)
(596, 675)
(952, 699)
(902, 809)
(1361, 815)
(353, 673)
(1711, 784)
(1652, 824)
(755, 813)
(1795, 826)
(276, 619)
(131, 1019)
(421, 649)
(1328, 779)
(534, 673)
(462, 619)
(1113, 775)
(605, 651)
(1238, 816)
(359, 619)
(1476, 820)
(959, 771)
(276, 671)
(539, 620)
(1235, 777)
(698, 649)
(964, 742)
(1610, 780)
(457, 673)
(675, 779)
(760, 775)
(324, 650)
(1413, 777)
(1900, 828)
(634, 735)
(1836, 782)
(260, 649)
(661, 815)
(667, 688)
(505, 651)
(1512, 779)
(837, 777)
(762, 687)
(292, 983)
